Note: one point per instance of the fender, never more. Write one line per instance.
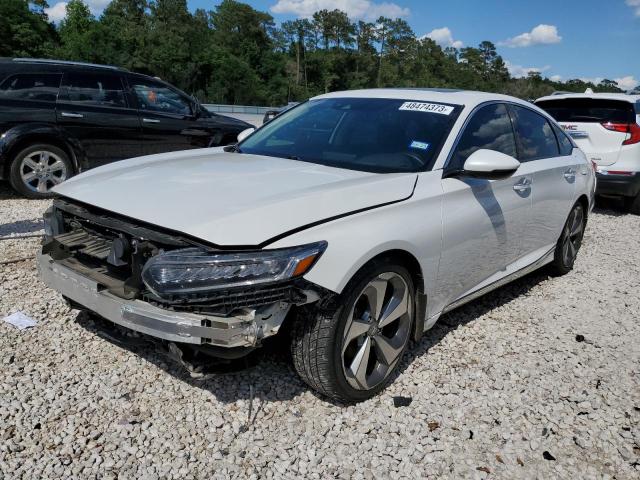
(39, 131)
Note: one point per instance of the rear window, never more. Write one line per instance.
(97, 89)
(588, 110)
(30, 86)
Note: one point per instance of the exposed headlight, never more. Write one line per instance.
(193, 270)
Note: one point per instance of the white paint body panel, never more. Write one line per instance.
(465, 233)
(229, 199)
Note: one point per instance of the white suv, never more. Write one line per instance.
(606, 127)
(359, 216)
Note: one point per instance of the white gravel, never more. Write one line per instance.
(501, 388)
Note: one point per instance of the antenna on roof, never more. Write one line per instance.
(589, 91)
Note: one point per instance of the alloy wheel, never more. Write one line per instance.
(41, 170)
(376, 331)
(573, 232)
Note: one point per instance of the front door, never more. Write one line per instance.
(94, 112)
(167, 120)
(483, 220)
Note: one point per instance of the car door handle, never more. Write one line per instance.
(523, 185)
(570, 174)
(71, 115)
(150, 120)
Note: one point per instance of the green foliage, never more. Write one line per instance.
(25, 30)
(236, 54)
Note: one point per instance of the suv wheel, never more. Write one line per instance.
(570, 241)
(350, 351)
(37, 169)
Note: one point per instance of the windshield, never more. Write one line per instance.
(375, 135)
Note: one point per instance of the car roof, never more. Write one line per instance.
(54, 64)
(468, 98)
(598, 96)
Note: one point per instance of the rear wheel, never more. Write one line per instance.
(570, 241)
(38, 168)
(351, 351)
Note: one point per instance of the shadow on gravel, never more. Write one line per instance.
(267, 373)
(612, 207)
(264, 375)
(470, 312)
(21, 227)
(6, 192)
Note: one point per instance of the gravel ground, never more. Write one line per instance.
(537, 380)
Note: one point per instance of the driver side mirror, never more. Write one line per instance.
(490, 164)
(245, 133)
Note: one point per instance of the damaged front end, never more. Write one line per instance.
(171, 286)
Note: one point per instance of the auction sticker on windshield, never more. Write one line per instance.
(426, 107)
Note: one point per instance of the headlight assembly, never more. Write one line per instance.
(194, 271)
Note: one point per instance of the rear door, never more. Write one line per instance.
(94, 112)
(594, 124)
(28, 98)
(554, 169)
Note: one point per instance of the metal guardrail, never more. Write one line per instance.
(243, 109)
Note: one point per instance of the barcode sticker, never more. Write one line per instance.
(427, 107)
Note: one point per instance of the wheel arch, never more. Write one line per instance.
(410, 262)
(51, 138)
(584, 201)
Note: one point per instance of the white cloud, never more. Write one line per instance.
(625, 83)
(542, 34)
(628, 82)
(635, 5)
(555, 78)
(518, 71)
(57, 12)
(365, 9)
(443, 37)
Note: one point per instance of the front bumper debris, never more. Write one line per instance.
(245, 328)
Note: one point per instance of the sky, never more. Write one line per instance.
(587, 39)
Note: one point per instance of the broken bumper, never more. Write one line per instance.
(234, 331)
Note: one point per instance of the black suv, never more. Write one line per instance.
(61, 118)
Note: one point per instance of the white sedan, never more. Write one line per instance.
(358, 217)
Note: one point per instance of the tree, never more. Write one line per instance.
(25, 30)
(125, 34)
(79, 34)
(237, 54)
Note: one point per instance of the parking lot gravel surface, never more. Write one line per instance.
(539, 379)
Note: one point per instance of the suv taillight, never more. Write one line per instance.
(632, 128)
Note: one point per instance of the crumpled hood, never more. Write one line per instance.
(232, 199)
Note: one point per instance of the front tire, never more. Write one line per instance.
(570, 241)
(350, 350)
(37, 169)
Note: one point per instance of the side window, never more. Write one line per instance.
(36, 87)
(156, 97)
(534, 135)
(566, 145)
(96, 89)
(490, 128)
